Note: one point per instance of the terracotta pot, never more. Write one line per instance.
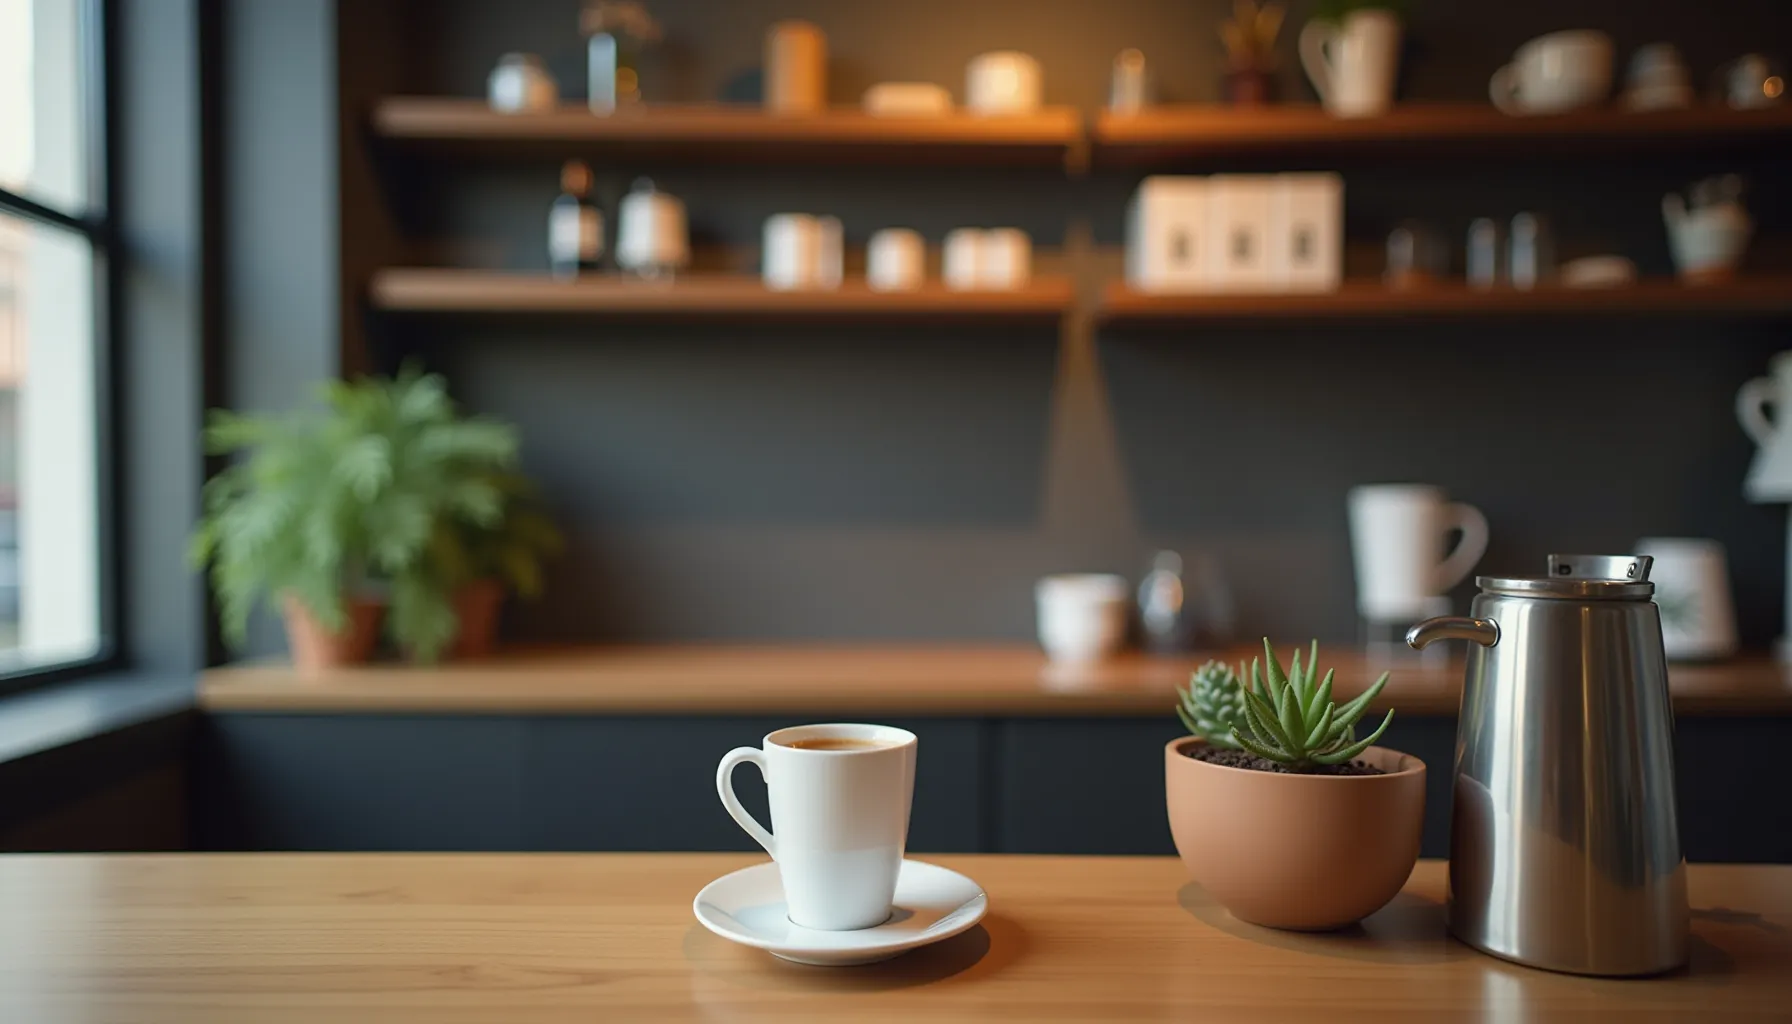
(314, 647)
(1248, 87)
(476, 607)
(1304, 852)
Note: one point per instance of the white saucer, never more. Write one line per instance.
(932, 903)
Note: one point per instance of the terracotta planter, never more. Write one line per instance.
(476, 607)
(315, 648)
(1304, 852)
(1248, 87)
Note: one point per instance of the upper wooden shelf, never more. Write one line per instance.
(1123, 306)
(844, 680)
(1170, 133)
(739, 132)
(701, 296)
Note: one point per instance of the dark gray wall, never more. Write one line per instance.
(783, 482)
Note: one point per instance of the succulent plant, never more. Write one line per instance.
(1290, 720)
(1213, 705)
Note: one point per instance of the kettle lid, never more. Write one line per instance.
(1581, 577)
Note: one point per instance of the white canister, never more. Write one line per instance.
(792, 256)
(651, 236)
(961, 259)
(895, 260)
(796, 68)
(1692, 589)
(1004, 82)
(1082, 616)
(521, 84)
(1004, 259)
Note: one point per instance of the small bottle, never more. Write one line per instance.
(1129, 91)
(575, 224)
(1483, 253)
(1532, 255)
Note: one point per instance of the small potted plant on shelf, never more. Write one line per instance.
(1277, 809)
(380, 506)
(1250, 39)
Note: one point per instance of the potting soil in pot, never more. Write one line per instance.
(1251, 762)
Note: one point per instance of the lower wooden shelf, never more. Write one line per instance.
(1748, 296)
(699, 296)
(986, 681)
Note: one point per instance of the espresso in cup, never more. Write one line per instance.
(840, 797)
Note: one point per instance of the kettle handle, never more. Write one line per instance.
(1485, 632)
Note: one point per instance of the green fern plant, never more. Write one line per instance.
(377, 490)
(1291, 720)
(1212, 707)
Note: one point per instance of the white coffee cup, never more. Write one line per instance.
(895, 260)
(1003, 82)
(1692, 588)
(1082, 616)
(1555, 73)
(1397, 536)
(839, 818)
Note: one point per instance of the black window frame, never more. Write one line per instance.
(96, 50)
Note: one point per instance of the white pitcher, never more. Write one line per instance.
(1707, 241)
(1352, 64)
(1770, 475)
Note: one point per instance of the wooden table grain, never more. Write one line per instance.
(448, 938)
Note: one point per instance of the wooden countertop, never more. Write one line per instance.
(397, 938)
(813, 680)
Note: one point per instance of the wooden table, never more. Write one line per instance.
(598, 938)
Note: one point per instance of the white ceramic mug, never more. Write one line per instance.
(1005, 260)
(1352, 63)
(1082, 616)
(1555, 73)
(895, 260)
(839, 819)
(652, 239)
(1003, 82)
(1692, 588)
(1397, 537)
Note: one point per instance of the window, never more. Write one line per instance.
(53, 235)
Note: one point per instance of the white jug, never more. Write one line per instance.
(1352, 64)
(1707, 241)
(1770, 475)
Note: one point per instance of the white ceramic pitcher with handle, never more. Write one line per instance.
(1352, 63)
(1761, 406)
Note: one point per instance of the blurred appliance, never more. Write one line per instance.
(907, 99)
(802, 251)
(895, 260)
(521, 84)
(1352, 63)
(652, 240)
(1003, 82)
(1692, 589)
(1658, 79)
(1751, 81)
(1397, 534)
(1565, 846)
(1709, 231)
(796, 68)
(1555, 73)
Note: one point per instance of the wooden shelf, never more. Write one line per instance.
(815, 680)
(1759, 296)
(701, 296)
(740, 132)
(1179, 132)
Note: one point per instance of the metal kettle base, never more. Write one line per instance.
(1500, 954)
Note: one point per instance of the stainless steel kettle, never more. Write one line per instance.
(1564, 838)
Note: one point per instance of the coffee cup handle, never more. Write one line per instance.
(725, 790)
(1502, 88)
(1469, 549)
(1317, 38)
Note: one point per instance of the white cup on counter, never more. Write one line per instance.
(895, 260)
(1082, 616)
